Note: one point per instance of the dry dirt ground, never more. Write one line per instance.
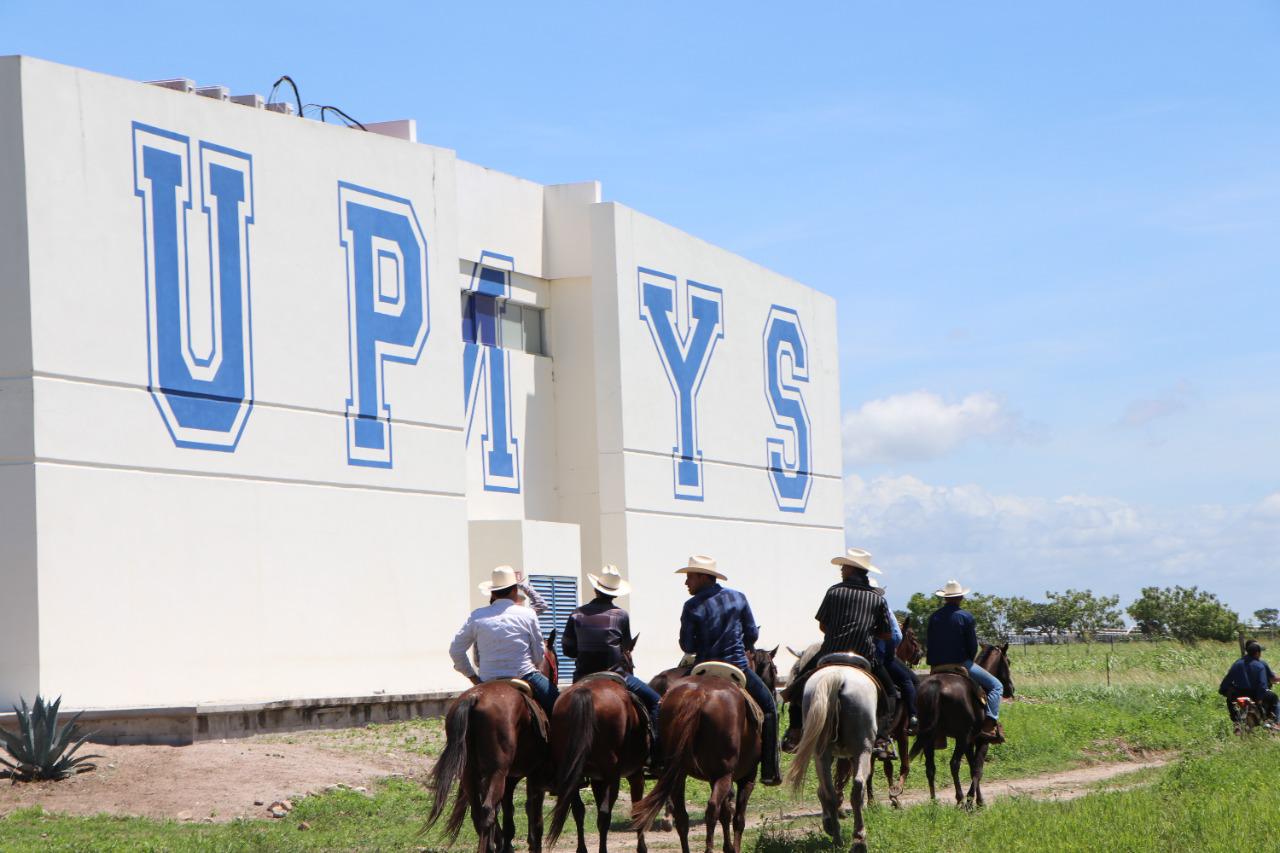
(221, 780)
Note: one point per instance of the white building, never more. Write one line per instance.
(246, 453)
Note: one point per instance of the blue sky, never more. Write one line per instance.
(1052, 230)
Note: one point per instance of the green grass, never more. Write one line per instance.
(1225, 800)
(1162, 698)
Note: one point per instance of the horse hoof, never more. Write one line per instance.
(844, 811)
(895, 802)
(858, 847)
(663, 824)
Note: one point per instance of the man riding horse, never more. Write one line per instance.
(852, 617)
(507, 639)
(598, 634)
(903, 678)
(953, 640)
(717, 625)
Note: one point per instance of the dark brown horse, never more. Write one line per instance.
(707, 732)
(948, 710)
(493, 740)
(762, 663)
(598, 732)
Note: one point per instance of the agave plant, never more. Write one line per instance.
(40, 748)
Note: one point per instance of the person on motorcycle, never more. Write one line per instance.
(1251, 676)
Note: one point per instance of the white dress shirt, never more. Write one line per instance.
(507, 638)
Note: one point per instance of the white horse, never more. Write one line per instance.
(839, 722)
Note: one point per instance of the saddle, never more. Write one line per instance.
(604, 675)
(621, 681)
(978, 694)
(539, 715)
(729, 672)
(854, 660)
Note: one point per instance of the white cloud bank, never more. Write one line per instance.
(921, 425)
(923, 534)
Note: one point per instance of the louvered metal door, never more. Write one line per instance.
(561, 594)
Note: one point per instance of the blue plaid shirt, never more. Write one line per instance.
(717, 624)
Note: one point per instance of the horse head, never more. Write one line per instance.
(550, 663)
(762, 664)
(628, 663)
(995, 660)
(909, 650)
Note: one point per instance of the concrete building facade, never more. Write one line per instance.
(275, 395)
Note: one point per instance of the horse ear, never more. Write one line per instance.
(632, 645)
(551, 639)
(906, 624)
(773, 654)
(794, 653)
(1004, 649)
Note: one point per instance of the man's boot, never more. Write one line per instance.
(654, 768)
(770, 773)
(883, 746)
(794, 695)
(991, 731)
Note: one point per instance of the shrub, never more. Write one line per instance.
(40, 748)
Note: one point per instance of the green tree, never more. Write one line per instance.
(1267, 617)
(1020, 614)
(1185, 613)
(1083, 612)
(920, 607)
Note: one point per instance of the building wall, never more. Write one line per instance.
(653, 521)
(275, 567)
(19, 606)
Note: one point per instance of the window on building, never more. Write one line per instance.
(561, 594)
(501, 323)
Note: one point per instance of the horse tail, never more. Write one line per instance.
(928, 702)
(820, 720)
(451, 766)
(684, 727)
(582, 722)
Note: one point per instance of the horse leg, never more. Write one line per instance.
(579, 810)
(904, 767)
(533, 813)
(962, 747)
(829, 795)
(637, 794)
(509, 815)
(606, 794)
(745, 787)
(716, 802)
(871, 796)
(844, 772)
(728, 815)
(859, 828)
(680, 813)
(930, 771)
(485, 800)
(977, 760)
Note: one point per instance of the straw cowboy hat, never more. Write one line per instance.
(951, 590)
(502, 578)
(857, 558)
(610, 582)
(701, 565)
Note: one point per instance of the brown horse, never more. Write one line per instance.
(493, 740)
(762, 663)
(598, 731)
(947, 710)
(707, 732)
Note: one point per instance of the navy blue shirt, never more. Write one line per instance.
(1249, 677)
(952, 635)
(717, 624)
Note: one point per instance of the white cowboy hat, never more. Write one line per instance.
(610, 582)
(857, 558)
(951, 590)
(701, 565)
(502, 578)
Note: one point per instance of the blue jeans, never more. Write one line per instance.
(989, 683)
(906, 684)
(543, 690)
(651, 700)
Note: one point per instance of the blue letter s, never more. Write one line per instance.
(786, 361)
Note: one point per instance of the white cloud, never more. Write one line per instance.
(921, 425)
(1008, 544)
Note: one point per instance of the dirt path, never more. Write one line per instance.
(217, 780)
(1065, 785)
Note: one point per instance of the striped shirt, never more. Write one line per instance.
(852, 614)
(535, 600)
